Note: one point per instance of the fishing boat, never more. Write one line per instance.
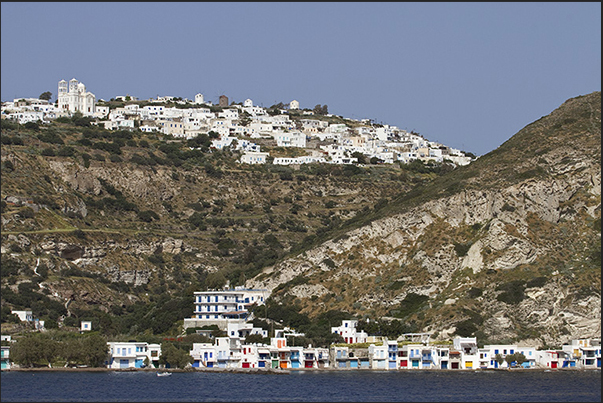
(164, 373)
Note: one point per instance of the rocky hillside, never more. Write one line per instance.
(110, 225)
(506, 249)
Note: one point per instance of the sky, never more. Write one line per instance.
(467, 75)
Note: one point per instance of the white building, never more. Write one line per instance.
(304, 159)
(290, 139)
(73, 97)
(133, 355)
(348, 331)
(222, 305)
(254, 157)
(24, 316)
(85, 326)
(199, 99)
(293, 105)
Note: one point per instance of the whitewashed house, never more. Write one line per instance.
(85, 326)
(470, 354)
(348, 331)
(290, 139)
(133, 355)
(503, 350)
(204, 355)
(254, 157)
(24, 316)
(378, 356)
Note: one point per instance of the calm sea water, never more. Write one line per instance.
(327, 386)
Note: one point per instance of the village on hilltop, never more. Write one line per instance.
(235, 126)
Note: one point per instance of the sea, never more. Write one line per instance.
(303, 386)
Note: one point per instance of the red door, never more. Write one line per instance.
(245, 365)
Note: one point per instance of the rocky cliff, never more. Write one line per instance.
(508, 258)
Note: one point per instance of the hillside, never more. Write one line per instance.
(506, 249)
(122, 222)
(121, 228)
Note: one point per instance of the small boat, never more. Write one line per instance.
(164, 373)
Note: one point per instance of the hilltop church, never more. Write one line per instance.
(73, 97)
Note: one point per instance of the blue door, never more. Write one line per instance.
(124, 363)
(138, 363)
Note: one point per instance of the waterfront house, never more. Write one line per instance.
(530, 356)
(133, 355)
(340, 357)
(392, 354)
(503, 350)
(584, 353)
(468, 347)
(5, 352)
(455, 359)
(443, 354)
(204, 355)
(378, 356)
(548, 358)
(411, 356)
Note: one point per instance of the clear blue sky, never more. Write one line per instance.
(469, 75)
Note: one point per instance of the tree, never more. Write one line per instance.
(174, 357)
(499, 359)
(94, 350)
(34, 349)
(71, 351)
(45, 95)
(361, 158)
(510, 358)
(517, 358)
(24, 351)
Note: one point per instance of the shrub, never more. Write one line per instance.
(48, 152)
(461, 249)
(475, 292)
(513, 292)
(8, 166)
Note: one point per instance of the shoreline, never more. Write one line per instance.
(283, 371)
